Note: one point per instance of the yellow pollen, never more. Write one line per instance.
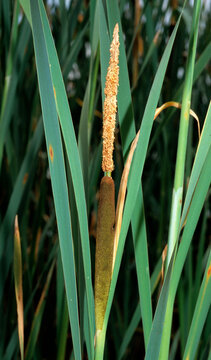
(110, 103)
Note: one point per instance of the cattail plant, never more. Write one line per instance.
(109, 223)
(53, 254)
(106, 209)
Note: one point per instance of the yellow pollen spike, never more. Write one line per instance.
(110, 103)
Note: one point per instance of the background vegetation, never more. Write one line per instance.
(82, 31)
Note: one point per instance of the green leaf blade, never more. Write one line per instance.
(57, 170)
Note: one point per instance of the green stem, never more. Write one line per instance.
(100, 344)
(179, 174)
(183, 135)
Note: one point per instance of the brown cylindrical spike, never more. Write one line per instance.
(104, 248)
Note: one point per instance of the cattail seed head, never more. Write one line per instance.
(110, 103)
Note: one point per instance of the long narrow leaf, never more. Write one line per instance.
(200, 314)
(74, 162)
(57, 170)
(192, 219)
(153, 349)
(19, 286)
(202, 150)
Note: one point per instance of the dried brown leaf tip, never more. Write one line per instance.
(110, 103)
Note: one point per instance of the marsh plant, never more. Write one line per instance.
(105, 156)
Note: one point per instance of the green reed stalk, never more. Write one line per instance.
(179, 172)
(183, 135)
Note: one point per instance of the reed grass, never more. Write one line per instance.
(54, 60)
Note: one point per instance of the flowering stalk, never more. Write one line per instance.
(110, 104)
(106, 208)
